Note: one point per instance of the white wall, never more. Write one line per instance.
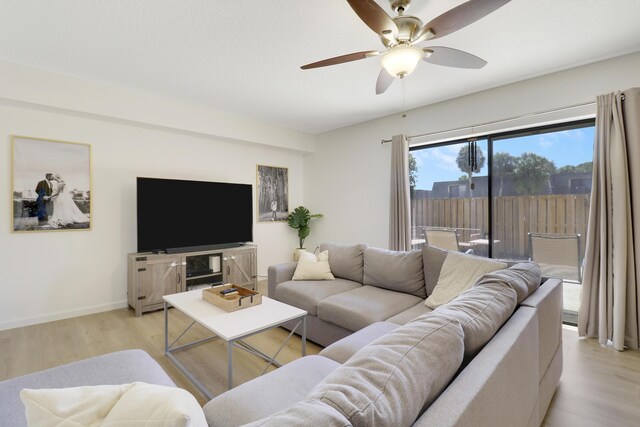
(52, 275)
(347, 176)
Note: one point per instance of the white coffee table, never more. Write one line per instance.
(231, 327)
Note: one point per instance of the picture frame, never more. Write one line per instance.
(272, 193)
(50, 184)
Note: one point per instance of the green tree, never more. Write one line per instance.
(582, 167)
(532, 173)
(463, 163)
(413, 172)
(502, 164)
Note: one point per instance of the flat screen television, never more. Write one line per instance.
(181, 216)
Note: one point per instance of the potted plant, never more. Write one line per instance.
(299, 219)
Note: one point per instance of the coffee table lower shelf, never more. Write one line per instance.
(184, 305)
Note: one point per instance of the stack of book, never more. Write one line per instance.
(229, 292)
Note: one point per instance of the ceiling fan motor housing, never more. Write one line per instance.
(408, 27)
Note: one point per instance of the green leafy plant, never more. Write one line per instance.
(299, 219)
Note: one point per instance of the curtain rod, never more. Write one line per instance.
(384, 141)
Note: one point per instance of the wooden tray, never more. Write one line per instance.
(243, 299)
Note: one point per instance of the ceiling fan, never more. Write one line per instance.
(401, 34)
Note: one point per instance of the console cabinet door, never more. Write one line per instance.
(159, 277)
(240, 267)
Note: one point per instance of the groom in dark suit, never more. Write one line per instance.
(45, 205)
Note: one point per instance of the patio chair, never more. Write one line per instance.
(557, 254)
(443, 238)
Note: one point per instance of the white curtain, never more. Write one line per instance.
(400, 211)
(610, 301)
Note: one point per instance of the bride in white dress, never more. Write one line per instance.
(65, 210)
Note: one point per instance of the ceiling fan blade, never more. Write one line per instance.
(460, 16)
(452, 58)
(341, 59)
(375, 17)
(384, 81)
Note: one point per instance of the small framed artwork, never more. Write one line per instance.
(51, 185)
(272, 193)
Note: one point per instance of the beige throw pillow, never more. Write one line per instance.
(459, 272)
(311, 267)
(138, 403)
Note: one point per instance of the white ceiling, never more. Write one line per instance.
(244, 56)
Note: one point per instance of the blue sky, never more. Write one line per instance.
(569, 147)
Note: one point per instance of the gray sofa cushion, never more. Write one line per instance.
(122, 367)
(308, 413)
(267, 394)
(481, 311)
(390, 381)
(346, 261)
(306, 294)
(432, 259)
(342, 350)
(395, 270)
(524, 277)
(363, 306)
(410, 314)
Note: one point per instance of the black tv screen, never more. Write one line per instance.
(192, 215)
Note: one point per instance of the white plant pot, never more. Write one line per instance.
(296, 253)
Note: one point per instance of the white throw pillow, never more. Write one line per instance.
(307, 255)
(138, 403)
(311, 267)
(459, 272)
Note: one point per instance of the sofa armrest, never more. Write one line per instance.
(279, 273)
(547, 300)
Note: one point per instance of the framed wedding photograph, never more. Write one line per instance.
(272, 193)
(51, 184)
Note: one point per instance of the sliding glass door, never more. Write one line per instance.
(449, 193)
(517, 195)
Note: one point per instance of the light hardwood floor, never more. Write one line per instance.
(599, 386)
(33, 348)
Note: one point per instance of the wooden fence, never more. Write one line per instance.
(514, 217)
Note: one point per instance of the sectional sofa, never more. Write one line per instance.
(376, 291)
(490, 357)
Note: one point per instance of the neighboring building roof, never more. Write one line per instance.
(559, 183)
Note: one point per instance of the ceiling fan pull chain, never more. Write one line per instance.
(404, 96)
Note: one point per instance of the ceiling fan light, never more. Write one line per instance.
(401, 60)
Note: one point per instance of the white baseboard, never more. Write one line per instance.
(59, 315)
